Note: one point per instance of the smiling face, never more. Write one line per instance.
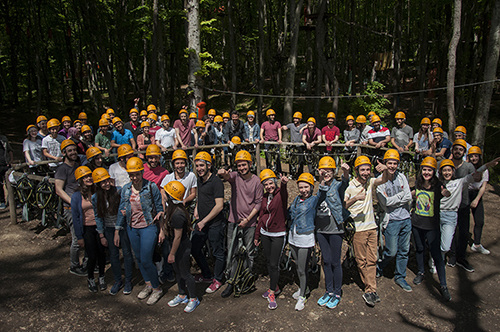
(474, 158)
(71, 153)
(180, 166)
(87, 180)
(376, 126)
(134, 116)
(447, 172)
(427, 173)
(119, 125)
(304, 189)
(66, 125)
(135, 177)
(364, 172)
(392, 166)
(269, 186)
(327, 174)
(98, 160)
(201, 168)
(458, 152)
(243, 167)
(105, 184)
(153, 161)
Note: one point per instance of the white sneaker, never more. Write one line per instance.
(145, 292)
(432, 266)
(296, 295)
(480, 249)
(155, 296)
(300, 303)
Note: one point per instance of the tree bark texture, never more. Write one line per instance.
(452, 65)
(194, 46)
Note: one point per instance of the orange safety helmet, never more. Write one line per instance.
(175, 189)
(306, 177)
(179, 154)
(266, 174)
(135, 164)
(243, 155)
(326, 162)
(446, 162)
(361, 119)
(82, 171)
(212, 112)
(92, 152)
(66, 118)
(53, 123)
(362, 160)
(429, 162)
(203, 155)
(330, 115)
(475, 150)
(82, 116)
(103, 123)
(375, 118)
(153, 150)
(100, 174)
(124, 150)
(85, 128)
(297, 115)
(270, 112)
(425, 121)
(391, 154)
(66, 143)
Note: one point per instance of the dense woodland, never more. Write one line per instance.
(67, 54)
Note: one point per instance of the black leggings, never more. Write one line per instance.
(302, 257)
(94, 250)
(273, 246)
(478, 215)
(182, 268)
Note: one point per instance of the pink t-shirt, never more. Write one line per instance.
(246, 195)
(184, 131)
(271, 130)
(155, 175)
(88, 213)
(137, 216)
(330, 134)
(308, 136)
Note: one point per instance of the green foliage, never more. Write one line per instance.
(372, 102)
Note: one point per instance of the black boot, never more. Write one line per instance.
(228, 291)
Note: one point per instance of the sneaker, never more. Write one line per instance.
(301, 301)
(267, 292)
(214, 286)
(403, 284)
(102, 283)
(164, 277)
(296, 295)
(2, 205)
(418, 278)
(333, 302)
(379, 273)
(272, 302)
(145, 292)
(116, 287)
(480, 249)
(92, 286)
(79, 271)
(228, 291)
(465, 265)
(128, 288)
(192, 304)
(452, 261)
(445, 293)
(324, 299)
(177, 300)
(368, 297)
(154, 297)
(200, 278)
(376, 298)
(432, 266)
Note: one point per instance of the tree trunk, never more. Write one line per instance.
(295, 9)
(490, 69)
(161, 73)
(194, 46)
(260, 101)
(144, 66)
(154, 56)
(398, 22)
(232, 53)
(452, 64)
(422, 58)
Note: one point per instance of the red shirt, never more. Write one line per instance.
(271, 130)
(184, 131)
(330, 134)
(311, 138)
(155, 175)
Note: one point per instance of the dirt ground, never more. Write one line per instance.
(38, 293)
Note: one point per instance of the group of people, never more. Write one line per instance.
(134, 204)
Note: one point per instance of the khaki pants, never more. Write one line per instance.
(365, 250)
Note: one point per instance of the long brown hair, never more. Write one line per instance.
(87, 192)
(108, 201)
(171, 208)
(422, 132)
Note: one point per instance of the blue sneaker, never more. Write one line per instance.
(193, 303)
(177, 300)
(403, 284)
(334, 302)
(128, 288)
(324, 299)
(116, 287)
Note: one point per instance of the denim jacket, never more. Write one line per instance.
(150, 203)
(303, 214)
(77, 214)
(256, 131)
(99, 221)
(333, 195)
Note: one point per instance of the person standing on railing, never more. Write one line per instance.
(66, 185)
(118, 170)
(330, 133)
(378, 136)
(133, 125)
(296, 129)
(252, 128)
(363, 129)
(246, 198)
(271, 131)
(438, 123)
(6, 158)
(183, 130)
(311, 137)
(402, 134)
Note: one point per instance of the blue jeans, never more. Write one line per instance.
(433, 238)
(215, 236)
(448, 225)
(143, 241)
(114, 254)
(397, 244)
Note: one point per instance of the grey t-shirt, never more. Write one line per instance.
(67, 174)
(462, 171)
(325, 222)
(352, 135)
(34, 148)
(392, 188)
(295, 136)
(402, 136)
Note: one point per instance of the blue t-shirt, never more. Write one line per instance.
(445, 143)
(122, 139)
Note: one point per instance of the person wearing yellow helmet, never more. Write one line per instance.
(118, 170)
(204, 130)
(252, 128)
(133, 125)
(102, 141)
(94, 158)
(246, 198)
(32, 147)
(352, 134)
(235, 127)
(311, 136)
(402, 134)
(121, 135)
(143, 220)
(395, 199)
(184, 130)
(143, 116)
(379, 135)
(429, 192)
(218, 130)
(461, 133)
(296, 129)
(423, 139)
(271, 228)
(153, 171)
(41, 123)
(330, 133)
(330, 216)
(363, 129)
(437, 122)
(51, 144)
(87, 137)
(270, 130)
(145, 138)
(154, 125)
(440, 146)
(66, 124)
(358, 200)
(165, 137)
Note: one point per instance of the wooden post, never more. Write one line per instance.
(257, 157)
(194, 156)
(358, 151)
(12, 199)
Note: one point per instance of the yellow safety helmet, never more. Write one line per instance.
(203, 155)
(29, 127)
(425, 121)
(270, 112)
(330, 115)
(200, 124)
(297, 115)
(124, 150)
(53, 123)
(218, 118)
(41, 118)
(437, 130)
(326, 162)
(460, 142)
(151, 107)
(76, 121)
(153, 116)
(66, 143)
(183, 111)
(66, 118)
(175, 189)
(243, 155)
(306, 177)
(391, 154)
(133, 110)
(361, 119)
(475, 150)
(103, 123)
(153, 150)
(461, 129)
(266, 174)
(82, 116)
(250, 114)
(179, 154)
(135, 164)
(446, 162)
(193, 115)
(438, 121)
(145, 124)
(375, 118)
(349, 117)
(100, 174)
(400, 115)
(110, 111)
(116, 119)
(143, 113)
(371, 113)
(164, 117)
(311, 119)
(85, 128)
(92, 152)
(429, 162)
(362, 160)
(236, 140)
(212, 112)
(226, 115)
(82, 171)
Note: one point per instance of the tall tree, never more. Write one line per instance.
(194, 47)
(452, 65)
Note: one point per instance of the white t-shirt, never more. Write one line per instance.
(301, 240)
(189, 181)
(53, 147)
(166, 137)
(477, 185)
(119, 174)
